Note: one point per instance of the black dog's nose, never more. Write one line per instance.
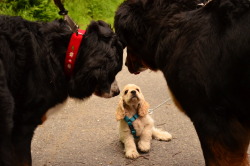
(116, 93)
(133, 92)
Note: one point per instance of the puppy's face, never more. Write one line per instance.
(99, 60)
(131, 95)
(131, 101)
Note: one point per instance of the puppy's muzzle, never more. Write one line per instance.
(133, 96)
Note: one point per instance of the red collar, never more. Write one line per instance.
(72, 51)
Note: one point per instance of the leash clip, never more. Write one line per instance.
(150, 111)
(73, 26)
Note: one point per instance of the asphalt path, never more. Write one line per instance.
(86, 132)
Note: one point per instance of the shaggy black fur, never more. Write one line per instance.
(32, 77)
(204, 54)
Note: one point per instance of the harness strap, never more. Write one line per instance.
(130, 125)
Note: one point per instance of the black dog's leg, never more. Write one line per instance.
(22, 137)
(6, 121)
(224, 141)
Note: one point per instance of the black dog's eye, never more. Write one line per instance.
(126, 91)
(138, 90)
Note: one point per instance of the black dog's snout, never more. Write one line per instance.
(116, 93)
(133, 92)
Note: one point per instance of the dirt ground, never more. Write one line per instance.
(86, 133)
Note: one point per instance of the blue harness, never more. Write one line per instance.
(130, 125)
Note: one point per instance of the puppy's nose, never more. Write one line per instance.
(133, 92)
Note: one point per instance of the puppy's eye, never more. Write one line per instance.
(138, 90)
(126, 91)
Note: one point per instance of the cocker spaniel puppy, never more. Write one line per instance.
(136, 123)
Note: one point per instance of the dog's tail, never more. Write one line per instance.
(161, 135)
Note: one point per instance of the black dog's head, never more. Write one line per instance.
(139, 25)
(98, 61)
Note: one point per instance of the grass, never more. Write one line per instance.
(81, 11)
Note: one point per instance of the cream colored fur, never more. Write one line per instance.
(132, 101)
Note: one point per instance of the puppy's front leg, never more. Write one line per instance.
(128, 140)
(130, 148)
(145, 138)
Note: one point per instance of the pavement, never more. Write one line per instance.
(86, 133)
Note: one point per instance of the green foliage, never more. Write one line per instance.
(42, 10)
(81, 11)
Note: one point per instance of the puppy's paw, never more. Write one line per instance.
(164, 136)
(132, 154)
(144, 146)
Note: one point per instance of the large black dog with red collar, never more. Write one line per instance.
(33, 78)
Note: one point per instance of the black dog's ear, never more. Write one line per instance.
(104, 29)
(101, 28)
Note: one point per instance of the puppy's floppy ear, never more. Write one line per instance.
(143, 108)
(120, 111)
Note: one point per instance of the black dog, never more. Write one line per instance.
(204, 53)
(32, 77)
